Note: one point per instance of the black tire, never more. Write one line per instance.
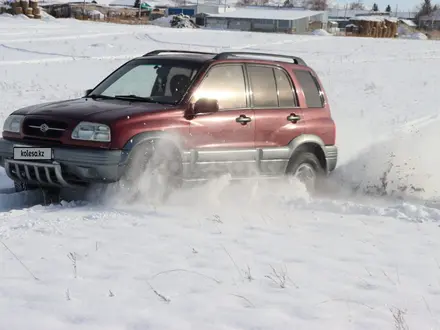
(50, 195)
(22, 186)
(163, 163)
(311, 164)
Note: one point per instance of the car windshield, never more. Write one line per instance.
(165, 82)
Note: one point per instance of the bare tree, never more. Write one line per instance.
(425, 9)
(245, 3)
(317, 4)
(357, 6)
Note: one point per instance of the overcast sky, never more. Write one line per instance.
(403, 5)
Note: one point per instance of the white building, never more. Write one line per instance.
(268, 20)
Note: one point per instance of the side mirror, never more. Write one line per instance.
(88, 91)
(206, 106)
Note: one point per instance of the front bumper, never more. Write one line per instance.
(69, 167)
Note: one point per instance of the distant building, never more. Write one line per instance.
(342, 16)
(268, 20)
(198, 9)
(345, 13)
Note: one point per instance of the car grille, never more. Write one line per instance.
(43, 128)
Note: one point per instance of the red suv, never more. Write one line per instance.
(196, 114)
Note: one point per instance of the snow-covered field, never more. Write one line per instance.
(226, 256)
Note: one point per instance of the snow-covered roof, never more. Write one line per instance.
(277, 14)
(342, 12)
(408, 22)
(374, 18)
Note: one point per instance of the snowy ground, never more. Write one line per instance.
(207, 259)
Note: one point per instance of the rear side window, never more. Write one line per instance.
(285, 90)
(271, 87)
(310, 88)
(264, 89)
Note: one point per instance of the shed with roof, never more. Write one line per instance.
(268, 20)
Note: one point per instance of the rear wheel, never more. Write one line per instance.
(306, 167)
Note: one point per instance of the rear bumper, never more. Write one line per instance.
(69, 167)
(331, 157)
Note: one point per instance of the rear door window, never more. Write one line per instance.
(286, 94)
(311, 89)
(263, 86)
(271, 87)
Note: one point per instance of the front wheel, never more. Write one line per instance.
(307, 169)
(23, 186)
(155, 170)
(50, 195)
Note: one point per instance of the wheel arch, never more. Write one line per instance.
(308, 143)
(151, 137)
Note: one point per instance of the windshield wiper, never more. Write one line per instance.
(105, 97)
(132, 97)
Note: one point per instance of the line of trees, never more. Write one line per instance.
(376, 8)
(425, 9)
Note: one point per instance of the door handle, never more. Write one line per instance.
(293, 118)
(243, 119)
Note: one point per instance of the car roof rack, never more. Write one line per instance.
(157, 52)
(226, 55)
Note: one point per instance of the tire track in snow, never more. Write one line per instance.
(63, 37)
(247, 46)
(24, 50)
(67, 57)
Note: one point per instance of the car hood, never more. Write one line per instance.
(96, 110)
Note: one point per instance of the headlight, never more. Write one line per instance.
(13, 123)
(91, 132)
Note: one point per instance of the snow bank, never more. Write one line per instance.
(405, 32)
(163, 21)
(374, 18)
(174, 21)
(20, 16)
(47, 17)
(321, 32)
(419, 36)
